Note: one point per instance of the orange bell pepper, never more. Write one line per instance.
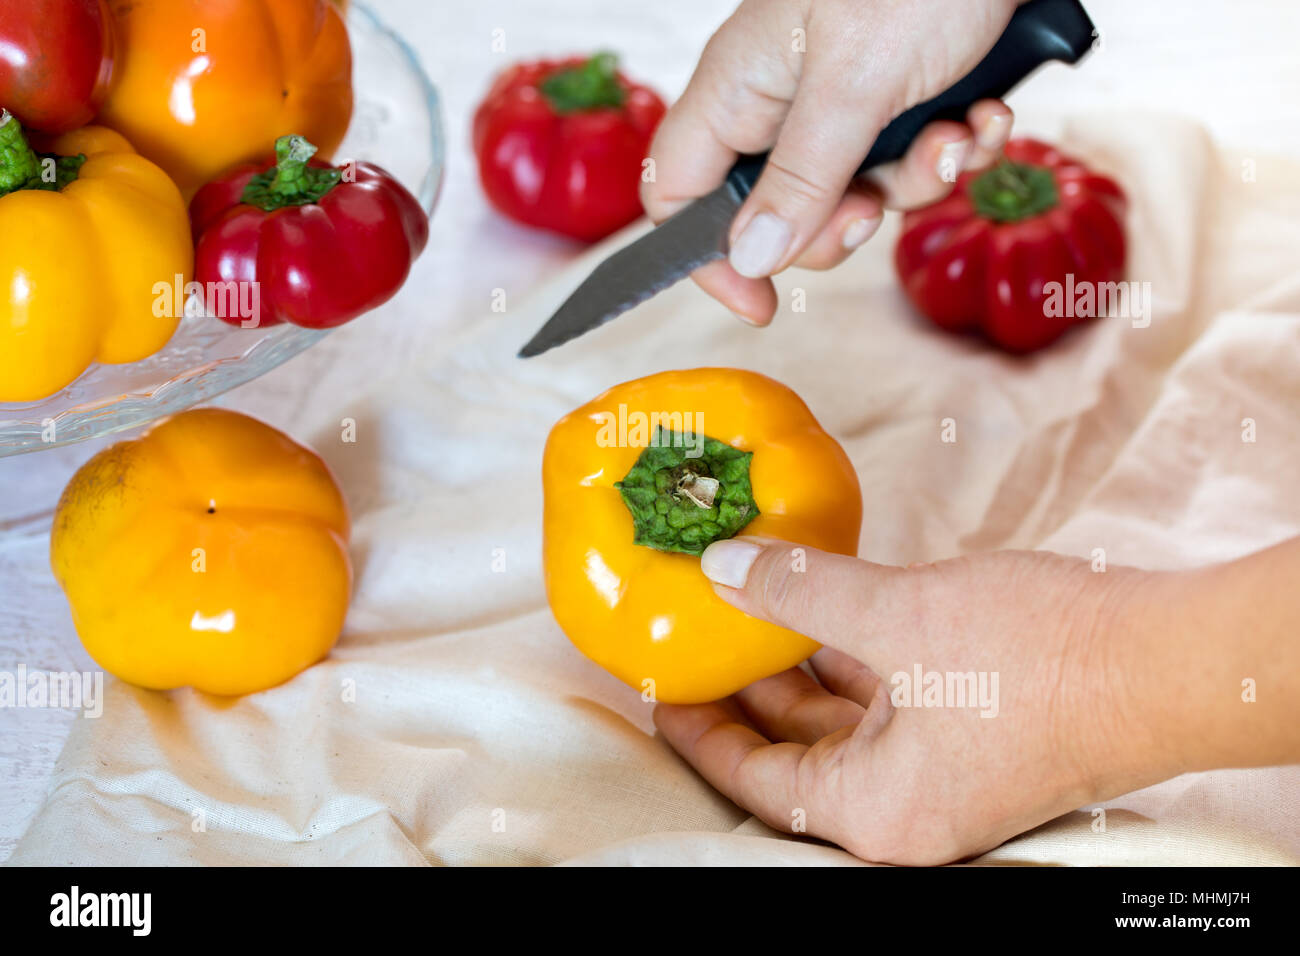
(203, 86)
(640, 480)
(212, 552)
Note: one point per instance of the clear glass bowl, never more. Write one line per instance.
(396, 124)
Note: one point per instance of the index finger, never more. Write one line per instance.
(691, 160)
(718, 117)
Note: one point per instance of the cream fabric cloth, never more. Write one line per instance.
(455, 724)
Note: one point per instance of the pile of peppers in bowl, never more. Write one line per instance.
(119, 198)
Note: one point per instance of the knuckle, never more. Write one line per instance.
(795, 186)
(921, 186)
(780, 589)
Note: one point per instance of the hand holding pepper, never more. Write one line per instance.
(1090, 697)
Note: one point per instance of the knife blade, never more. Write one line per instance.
(678, 246)
(1039, 31)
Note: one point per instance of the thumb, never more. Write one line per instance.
(807, 172)
(852, 605)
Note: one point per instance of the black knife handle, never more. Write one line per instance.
(1039, 31)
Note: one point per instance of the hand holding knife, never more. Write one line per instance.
(1038, 32)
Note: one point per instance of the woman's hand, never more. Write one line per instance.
(1079, 686)
(815, 81)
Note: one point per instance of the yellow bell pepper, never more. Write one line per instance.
(212, 552)
(82, 246)
(640, 480)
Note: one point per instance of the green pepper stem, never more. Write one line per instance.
(590, 85)
(21, 167)
(687, 491)
(19, 164)
(1009, 192)
(291, 181)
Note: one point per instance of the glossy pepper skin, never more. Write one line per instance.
(979, 260)
(197, 103)
(649, 615)
(80, 258)
(56, 61)
(560, 145)
(210, 552)
(322, 244)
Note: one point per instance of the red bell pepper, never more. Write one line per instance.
(322, 244)
(56, 61)
(980, 259)
(560, 145)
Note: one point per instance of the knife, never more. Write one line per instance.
(1039, 31)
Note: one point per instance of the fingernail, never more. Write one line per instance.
(744, 318)
(859, 231)
(728, 562)
(952, 158)
(994, 133)
(761, 246)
